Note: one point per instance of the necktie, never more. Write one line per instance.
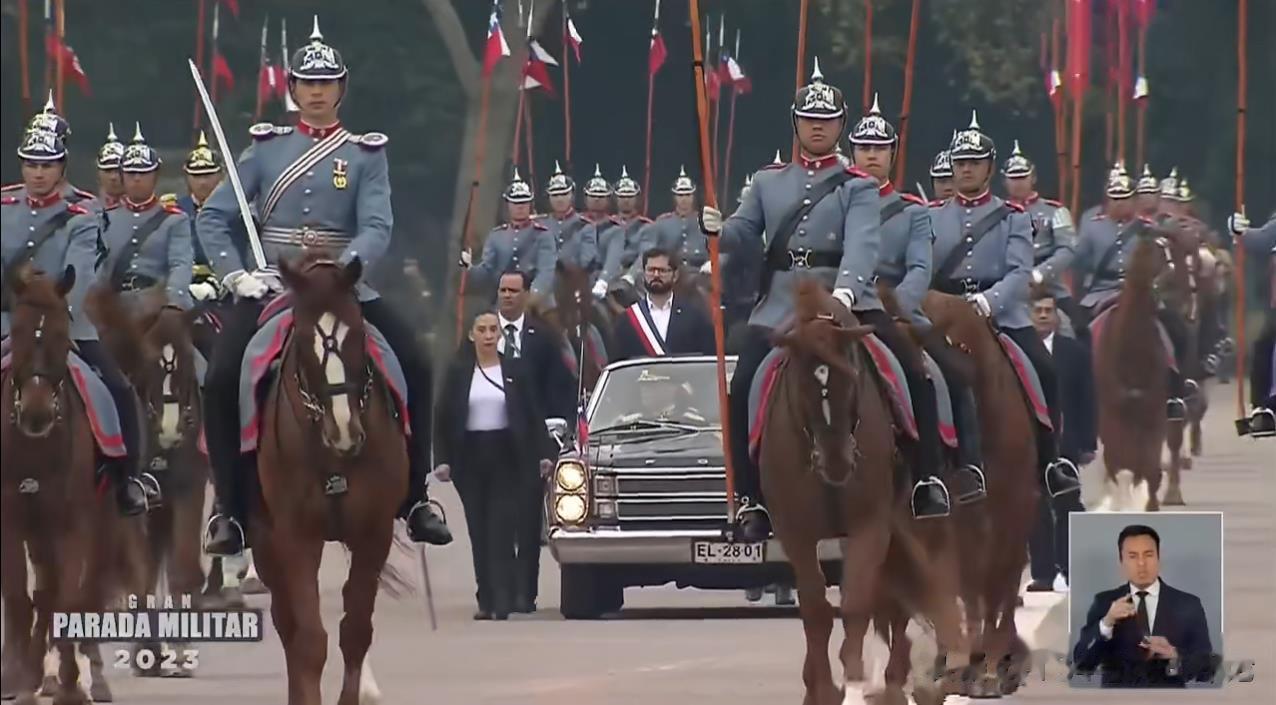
(1145, 627)
(511, 340)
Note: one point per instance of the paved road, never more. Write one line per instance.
(674, 647)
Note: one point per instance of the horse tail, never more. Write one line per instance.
(394, 580)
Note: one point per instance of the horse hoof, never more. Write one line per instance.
(27, 698)
(985, 687)
(178, 673)
(927, 696)
(1174, 499)
(252, 586)
(1185, 463)
(100, 691)
(71, 697)
(892, 695)
(48, 686)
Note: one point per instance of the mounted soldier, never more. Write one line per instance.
(814, 218)
(1260, 243)
(678, 231)
(983, 251)
(941, 177)
(519, 245)
(48, 120)
(1105, 246)
(1054, 237)
(740, 275)
(1147, 194)
(904, 264)
(147, 242)
(619, 248)
(41, 228)
(573, 239)
(316, 186)
(110, 180)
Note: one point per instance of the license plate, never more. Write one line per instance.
(723, 552)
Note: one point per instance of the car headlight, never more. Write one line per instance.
(571, 475)
(570, 508)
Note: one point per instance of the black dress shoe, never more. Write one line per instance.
(151, 487)
(500, 616)
(482, 615)
(930, 499)
(225, 537)
(424, 526)
(1040, 586)
(524, 606)
(753, 524)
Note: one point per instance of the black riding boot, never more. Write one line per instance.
(424, 526)
(753, 521)
(1060, 475)
(135, 491)
(970, 484)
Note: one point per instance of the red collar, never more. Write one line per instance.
(317, 132)
(110, 201)
(520, 224)
(53, 197)
(886, 189)
(570, 212)
(1031, 199)
(979, 200)
(817, 163)
(139, 207)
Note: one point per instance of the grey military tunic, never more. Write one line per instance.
(1053, 242)
(525, 247)
(1260, 242)
(619, 245)
(843, 227)
(999, 266)
(674, 233)
(905, 257)
(166, 254)
(74, 244)
(574, 239)
(337, 199)
(1098, 234)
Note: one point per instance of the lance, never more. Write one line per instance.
(1140, 117)
(48, 38)
(726, 159)
(1060, 126)
(199, 57)
(1238, 271)
(60, 14)
(716, 98)
(868, 54)
(711, 200)
(567, 93)
(531, 161)
(1110, 89)
(520, 113)
(467, 234)
(902, 156)
(24, 56)
(261, 64)
(651, 93)
(801, 61)
(1123, 79)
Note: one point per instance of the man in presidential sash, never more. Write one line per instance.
(660, 323)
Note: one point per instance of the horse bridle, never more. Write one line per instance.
(54, 380)
(822, 375)
(313, 403)
(169, 395)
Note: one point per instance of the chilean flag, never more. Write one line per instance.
(572, 37)
(497, 47)
(70, 61)
(656, 57)
(736, 75)
(535, 73)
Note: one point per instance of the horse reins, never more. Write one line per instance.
(54, 380)
(313, 403)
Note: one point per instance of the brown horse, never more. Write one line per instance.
(576, 314)
(1130, 373)
(51, 505)
(829, 410)
(333, 466)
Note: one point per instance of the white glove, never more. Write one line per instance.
(1037, 277)
(629, 277)
(980, 302)
(600, 289)
(844, 297)
(1238, 224)
(467, 259)
(710, 220)
(245, 285)
(203, 291)
(707, 267)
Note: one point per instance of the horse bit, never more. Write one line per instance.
(55, 381)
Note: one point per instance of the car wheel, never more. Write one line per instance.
(579, 594)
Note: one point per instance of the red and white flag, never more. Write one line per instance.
(739, 81)
(1054, 87)
(570, 36)
(535, 72)
(70, 61)
(497, 48)
(657, 54)
(222, 74)
(1141, 89)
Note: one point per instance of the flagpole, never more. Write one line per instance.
(59, 10)
(199, 59)
(261, 64)
(467, 226)
(726, 159)
(902, 156)
(515, 150)
(531, 161)
(48, 39)
(1060, 118)
(801, 62)
(651, 93)
(1140, 124)
(1123, 62)
(715, 101)
(1242, 103)
(868, 53)
(567, 95)
(212, 52)
(24, 55)
(711, 201)
(1078, 102)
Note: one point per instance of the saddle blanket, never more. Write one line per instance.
(267, 346)
(943, 399)
(1100, 321)
(104, 421)
(888, 368)
(1028, 380)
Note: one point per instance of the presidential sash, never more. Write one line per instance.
(304, 163)
(640, 318)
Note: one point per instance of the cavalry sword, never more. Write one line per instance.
(232, 174)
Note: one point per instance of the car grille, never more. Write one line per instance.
(666, 498)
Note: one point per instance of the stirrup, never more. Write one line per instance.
(947, 499)
(1068, 474)
(150, 485)
(1262, 423)
(438, 511)
(243, 541)
(981, 480)
(1175, 409)
(1191, 387)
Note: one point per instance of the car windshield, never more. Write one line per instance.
(659, 395)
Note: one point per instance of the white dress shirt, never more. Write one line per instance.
(1151, 599)
(518, 333)
(660, 316)
(1049, 343)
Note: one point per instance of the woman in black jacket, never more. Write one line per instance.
(490, 438)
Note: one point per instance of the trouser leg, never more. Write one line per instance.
(929, 458)
(1077, 317)
(1260, 371)
(1041, 556)
(93, 352)
(531, 518)
(1063, 507)
(753, 349)
(472, 487)
(221, 405)
(965, 413)
(502, 507)
(1043, 363)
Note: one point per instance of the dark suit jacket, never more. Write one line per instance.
(1180, 618)
(526, 421)
(542, 352)
(1076, 395)
(690, 332)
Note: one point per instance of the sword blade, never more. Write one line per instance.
(232, 173)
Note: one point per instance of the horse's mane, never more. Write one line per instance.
(119, 329)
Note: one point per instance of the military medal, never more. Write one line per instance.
(340, 172)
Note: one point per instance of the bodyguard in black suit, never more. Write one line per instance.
(1145, 634)
(1048, 545)
(540, 347)
(490, 439)
(661, 324)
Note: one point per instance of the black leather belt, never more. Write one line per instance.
(961, 287)
(137, 282)
(802, 258)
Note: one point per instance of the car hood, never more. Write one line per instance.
(691, 449)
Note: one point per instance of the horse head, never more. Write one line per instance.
(168, 384)
(333, 374)
(41, 339)
(829, 373)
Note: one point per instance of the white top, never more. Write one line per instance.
(487, 403)
(518, 333)
(1152, 599)
(660, 316)
(1049, 343)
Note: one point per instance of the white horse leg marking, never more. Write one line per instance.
(853, 693)
(369, 691)
(169, 435)
(335, 372)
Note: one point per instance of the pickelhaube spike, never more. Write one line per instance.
(137, 134)
(1119, 185)
(315, 34)
(597, 186)
(519, 191)
(1017, 165)
(111, 152)
(683, 185)
(626, 187)
(816, 76)
(818, 100)
(559, 184)
(202, 159)
(777, 159)
(139, 157)
(598, 170)
(624, 172)
(49, 119)
(110, 133)
(974, 119)
(49, 107)
(317, 61)
(972, 143)
(1185, 193)
(873, 128)
(748, 184)
(1147, 182)
(877, 108)
(1170, 184)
